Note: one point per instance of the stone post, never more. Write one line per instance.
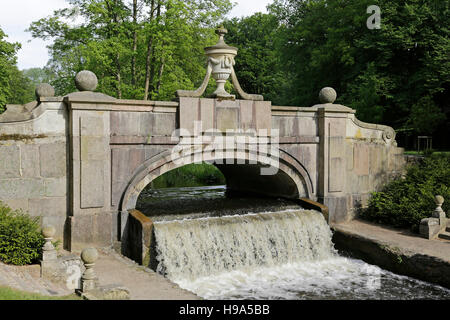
(89, 279)
(431, 227)
(49, 256)
(439, 213)
(48, 250)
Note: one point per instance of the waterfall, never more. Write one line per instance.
(273, 255)
(193, 248)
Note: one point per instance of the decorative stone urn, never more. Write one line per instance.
(221, 57)
(220, 67)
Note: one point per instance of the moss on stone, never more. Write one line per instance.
(18, 137)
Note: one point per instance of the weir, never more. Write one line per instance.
(193, 248)
(287, 254)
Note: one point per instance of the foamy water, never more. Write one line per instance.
(275, 255)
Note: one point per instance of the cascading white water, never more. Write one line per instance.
(193, 248)
(274, 255)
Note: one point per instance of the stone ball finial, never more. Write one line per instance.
(89, 255)
(439, 200)
(48, 231)
(44, 90)
(86, 81)
(327, 95)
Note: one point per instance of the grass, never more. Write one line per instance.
(416, 153)
(7, 293)
(191, 175)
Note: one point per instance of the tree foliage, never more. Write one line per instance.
(398, 75)
(257, 65)
(7, 67)
(139, 49)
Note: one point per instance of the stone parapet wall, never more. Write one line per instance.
(347, 159)
(80, 162)
(34, 162)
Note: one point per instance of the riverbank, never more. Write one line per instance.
(396, 250)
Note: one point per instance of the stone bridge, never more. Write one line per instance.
(79, 162)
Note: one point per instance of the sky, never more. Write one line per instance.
(17, 15)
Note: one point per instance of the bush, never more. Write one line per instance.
(191, 175)
(20, 238)
(405, 201)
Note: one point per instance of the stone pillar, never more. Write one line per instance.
(89, 280)
(431, 227)
(438, 213)
(332, 155)
(91, 221)
(49, 256)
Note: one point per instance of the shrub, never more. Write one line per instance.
(191, 175)
(20, 238)
(405, 201)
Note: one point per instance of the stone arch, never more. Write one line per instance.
(291, 172)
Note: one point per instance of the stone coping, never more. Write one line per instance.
(396, 250)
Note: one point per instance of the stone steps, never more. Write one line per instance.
(445, 235)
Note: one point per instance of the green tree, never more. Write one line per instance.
(140, 49)
(257, 64)
(386, 74)
(21, 87)
(7, 63)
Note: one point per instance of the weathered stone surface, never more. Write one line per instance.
(137, 240)
(48, 207)
(398, 251)
(92, 184)
(21, 188)
(9, 162)
(92, 125)
(86, 81)
(44, 90)
(361, 159)
(337, 207)
(125, 123)
(16, 204)
(429, 228)
(30, 166)
(227, 118)
(336, 178)
(327, 95)
(92, 148)
(163, 124)
(53, 160)
(188, 114)
(56, 187)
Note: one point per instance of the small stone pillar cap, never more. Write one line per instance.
(439, 200)
(89, 255)
(44, 90)
(48, 231)
(86, 81)
(327, 95)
